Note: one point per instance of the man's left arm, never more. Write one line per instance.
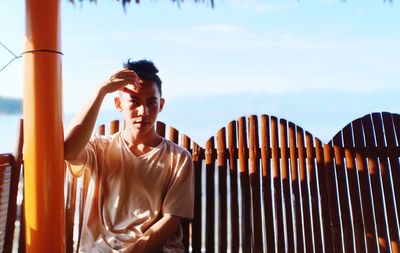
(157, 235)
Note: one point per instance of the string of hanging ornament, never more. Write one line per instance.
(15, 56)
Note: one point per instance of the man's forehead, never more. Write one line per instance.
(144, 87)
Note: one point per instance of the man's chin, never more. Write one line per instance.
(142, 128)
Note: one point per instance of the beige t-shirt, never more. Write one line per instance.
(127, 194)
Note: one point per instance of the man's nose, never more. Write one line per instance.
(142, 110)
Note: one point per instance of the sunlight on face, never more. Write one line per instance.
(140, 105)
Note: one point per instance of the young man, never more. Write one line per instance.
(141, 184)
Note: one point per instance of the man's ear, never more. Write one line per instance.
(117, 103)
(162, 102)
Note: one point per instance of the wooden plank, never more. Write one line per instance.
(185, 222)
(114, 126)
(22, 239)
(393, 158)
(70, 212)
(277, 187)
(245, 187)
(354, 187)
(325, 214)
(18, 154)
(267, 184)
(377, 188)
(222, 191)
(196, 223)
(334, 208)
(7, 163)
(210, 199)
(173, 135)
(365, 189)
(305, 191)
(286, 184)
(83, 193)
(396, 123)
(386, 177)
(296, 188)
(314, 193)
(101, 130)
(160, 128)
(344, 201)
(233, 172)
(16, 163)
(254, 179)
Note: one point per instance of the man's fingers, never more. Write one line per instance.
(126, 73)
(129, 77)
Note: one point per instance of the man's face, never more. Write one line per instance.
(140, 106)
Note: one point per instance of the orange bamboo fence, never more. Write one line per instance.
(263, 184)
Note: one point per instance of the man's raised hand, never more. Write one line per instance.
(120, 79)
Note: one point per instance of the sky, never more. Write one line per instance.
(319, 64)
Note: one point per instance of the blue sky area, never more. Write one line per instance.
(319, 64)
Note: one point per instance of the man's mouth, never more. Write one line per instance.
(141, 122)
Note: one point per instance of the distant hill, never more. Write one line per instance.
(10, 105)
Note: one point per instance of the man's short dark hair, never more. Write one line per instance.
(146, 70)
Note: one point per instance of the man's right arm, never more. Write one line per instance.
(81, 129)
(83, 124)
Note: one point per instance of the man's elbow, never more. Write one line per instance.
(173, 222)
(70, 153)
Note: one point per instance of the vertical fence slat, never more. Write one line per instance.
(196, 224)
(393, 157)
(101, 130)
(233, 172)
(334, 208)
(20, 160)
(185, 143)
(287, 193)
(114, 126)
(387, 185)
(354, 187)
(173, 135)
(296, 188)
(376, 184)
(254, 177)
(70, 207)
(347, 225)
(305, 191)
(210, 200)
(222, 214)
(277, 187)
(325, 213)
(245, 187)
(160, 128)
(267, 184)
(314, 192)
(365, 188)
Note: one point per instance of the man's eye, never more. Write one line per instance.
(153, 103)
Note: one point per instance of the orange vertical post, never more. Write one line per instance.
(43, 131)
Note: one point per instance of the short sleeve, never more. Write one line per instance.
(90, 149)
(179, 200)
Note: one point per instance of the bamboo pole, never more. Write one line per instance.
(43, 131)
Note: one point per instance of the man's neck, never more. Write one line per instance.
(140, 144)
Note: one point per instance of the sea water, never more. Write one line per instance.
(8, 132)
